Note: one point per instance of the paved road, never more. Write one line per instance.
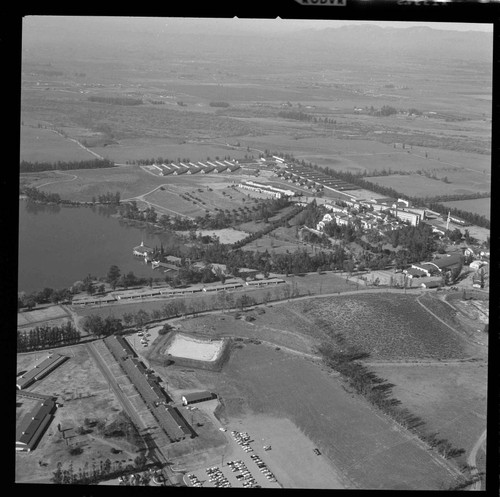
(124, 401)
(129, 408)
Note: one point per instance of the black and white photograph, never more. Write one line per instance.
(253, 253)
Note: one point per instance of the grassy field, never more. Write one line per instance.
(49, 313)
(417, 185)
(131, 149)
(366, 447)
(128, 180)
(376, 324)
(43, 145)
(450, 397)
(481, 206)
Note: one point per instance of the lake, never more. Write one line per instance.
(59, 245)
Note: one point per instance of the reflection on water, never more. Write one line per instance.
(35, 208)
(59, 245)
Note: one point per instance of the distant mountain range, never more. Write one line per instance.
(101, 38)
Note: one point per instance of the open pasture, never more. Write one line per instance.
(130, 181)
(45, 314)
(387, 326)
(234, 92)
(450, 397)
(369, 451)
(132, 149)
(481, 206)
(44, 145)
(421, 186)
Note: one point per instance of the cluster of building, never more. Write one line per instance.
(307, 178)
(169, 418)
(377, 213)
(213, 167)
(268, 189)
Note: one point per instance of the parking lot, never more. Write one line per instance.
(249, 470)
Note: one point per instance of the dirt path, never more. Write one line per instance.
(471, 459)
(74, 176)
(141, 198)
(447, 325)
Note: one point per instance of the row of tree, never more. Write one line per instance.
(107, 198)
(34, 167)
(43, 337)
(339, 355)
(116, 100)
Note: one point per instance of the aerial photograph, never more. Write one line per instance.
(253, 253)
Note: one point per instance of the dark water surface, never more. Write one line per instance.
(60, 245)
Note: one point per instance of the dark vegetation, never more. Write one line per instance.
(43, 337)
(116, 100)
(344, 358)
(121, 427)
(34, 167)
(219, 104)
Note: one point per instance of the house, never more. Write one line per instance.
(193, 398)
(142, 250)
(476, 264)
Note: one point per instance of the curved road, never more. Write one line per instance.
(471, 459)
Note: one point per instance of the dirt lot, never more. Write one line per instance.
(289, 449)
(84, 393)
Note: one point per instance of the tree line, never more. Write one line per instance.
(340, 356)
(43, 337)
(219, 104)
(116, 100)
(35, 167)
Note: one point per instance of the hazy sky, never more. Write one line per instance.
(321, 24)
(278, 25)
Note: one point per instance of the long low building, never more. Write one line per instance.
(40, 370)
(194, 397)
(270, 281)
(119, 347)
(34, 424)
(168, 417)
